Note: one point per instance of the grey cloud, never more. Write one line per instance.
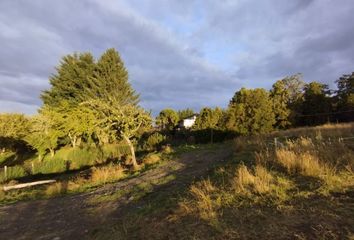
(162, 69)
(168, 67)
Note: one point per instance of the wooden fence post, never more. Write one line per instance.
(275, 142)
(5, 172)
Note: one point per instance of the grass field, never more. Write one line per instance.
(294, 184)
(302, 188)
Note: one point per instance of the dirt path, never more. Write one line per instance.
(73, 217)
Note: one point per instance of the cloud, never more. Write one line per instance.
(178, 53)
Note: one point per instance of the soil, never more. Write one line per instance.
(75, 216)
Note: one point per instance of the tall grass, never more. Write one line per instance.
(12, 173)
(56, 165)
(308, 164)
(107, 174)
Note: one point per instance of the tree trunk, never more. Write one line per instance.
(52, 152)
(78, 141)
(40, 158)
(73, 140)
(132, 151)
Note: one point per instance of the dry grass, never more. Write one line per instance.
(257, 182)
(203, 202)
(151, 158)
(107, 174)
(56, 189)
(323, 131)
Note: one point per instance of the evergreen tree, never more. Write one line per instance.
(167, 119)
(316, 105)
(280, 97)
(79, 80)
(250, 112)
(208, 118)
(71, 82)
(185, 113)
(345, 97)
(110, 81)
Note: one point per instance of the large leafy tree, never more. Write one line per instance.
(250, 112)
(118, 121)
(13, 128)
(45, 132)
(167, 119)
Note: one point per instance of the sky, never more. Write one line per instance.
(179, 54)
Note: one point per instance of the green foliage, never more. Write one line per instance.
(70, 82)
(81, 84)
(316, 104)
(250, 112)
(208, 118)
(55, 165)
(82, 157)
(280, 97)
(167, 119)
(13, 128)
(154, 141)
(185, 113)
(345, 97)
(13, 125)
(45, 131)
(12, 173)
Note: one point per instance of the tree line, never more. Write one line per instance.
(289, 103)
(91, 102)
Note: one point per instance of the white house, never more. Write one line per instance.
(188, 122)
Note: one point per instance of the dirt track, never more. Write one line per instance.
(74, 217)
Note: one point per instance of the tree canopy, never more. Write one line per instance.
(250, 112)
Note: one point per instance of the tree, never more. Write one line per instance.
(13, 128)
(167, 119)
(294, 85)
(208, 118)
(45, 132)
(250, 112)
(345, 97)
(280, 97)
(185, 113)
(316, 105)
(119, 122)
(71, 82)
(80, 79)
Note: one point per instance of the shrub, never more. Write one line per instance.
(82, 157)
(12, 173)
(55, 165)
(154, 141)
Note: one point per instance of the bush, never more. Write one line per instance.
(154, 141)
(12, 173)
(82, 157)
(55, 165)
(115, 151)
